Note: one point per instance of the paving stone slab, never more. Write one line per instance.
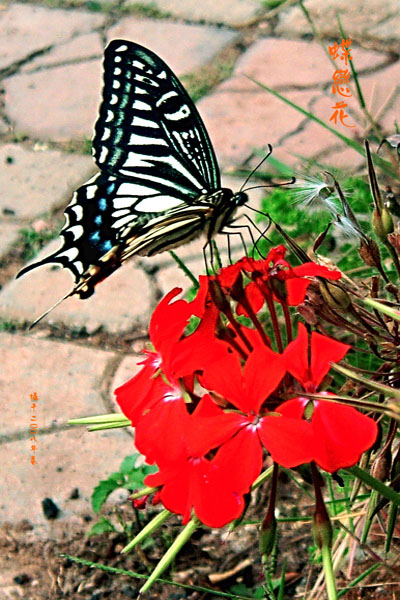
(59, 104)
(312, 141)
(184, 47)
(360, 19)
(236, 13)
(8, 237)
(280, 63)
(66, 377)
(25, 29)
(239, 123)
(80, 48)
(65, 460)
(31, 180)
(120, 303)
(381, 92)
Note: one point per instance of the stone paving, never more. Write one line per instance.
(50, 71)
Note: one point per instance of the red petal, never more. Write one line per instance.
(199, 485)
(262, 373)
(215, 499)
(168, 322)
(140, 393)
(254, 298)
(296, 356)
(161, 433)
(225, 377)
(296, 290)
(208, 433)
(289, 441)
(242, 457)
(312, 269)
(324, 351)
(293, 408)
(343, 434)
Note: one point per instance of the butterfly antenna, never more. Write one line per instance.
(257, 187)
(257, 167)
(36, 321)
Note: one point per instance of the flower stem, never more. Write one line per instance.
(329, 573)
(275, 324)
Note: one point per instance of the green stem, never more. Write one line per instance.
(184, 268)
(375, 484)
(329, 573)
(170, 554)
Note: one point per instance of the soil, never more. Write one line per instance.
(219, 560)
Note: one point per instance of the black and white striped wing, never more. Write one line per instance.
(156, 160)
(149, 129)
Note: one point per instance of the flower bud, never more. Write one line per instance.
(381, 467)
(218, 296)
(382, 223)
(267, 535)
(369, 253)
(334, 295)
(322, 528)
(140, 503)
(278, 287)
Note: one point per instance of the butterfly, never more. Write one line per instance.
(159, 181)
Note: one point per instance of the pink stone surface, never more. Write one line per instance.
(81, 47)
(25, 29)
(184, 47)
(33, 182)
(65, 460)
(67, 379)
(119, 303)
(8, 236)
(295, 64)
(54, 103)
(239, 123)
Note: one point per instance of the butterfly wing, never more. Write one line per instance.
(148, 126)
(156, 160)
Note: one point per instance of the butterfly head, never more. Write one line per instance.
(240, 198)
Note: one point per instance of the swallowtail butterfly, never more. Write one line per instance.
(159, 182)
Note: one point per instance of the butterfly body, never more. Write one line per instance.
(159, 182)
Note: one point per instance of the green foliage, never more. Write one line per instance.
(242, 590)
(102, 526)
(204, 80)
(8, 326)
(270, 4)
(32, 241)
(128, 477)
(150, 11)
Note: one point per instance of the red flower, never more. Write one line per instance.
(141, 393)
(341, 432)
(289, 441)
(209, 447)
(274, 276)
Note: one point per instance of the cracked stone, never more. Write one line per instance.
(183, 47)
(35, 175)
(25, 29)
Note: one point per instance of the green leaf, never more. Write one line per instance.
(101, 493)
(102, 526)
(128, 464)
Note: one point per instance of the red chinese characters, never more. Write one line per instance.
(340, 80)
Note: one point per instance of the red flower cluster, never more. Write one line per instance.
(207, 405)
